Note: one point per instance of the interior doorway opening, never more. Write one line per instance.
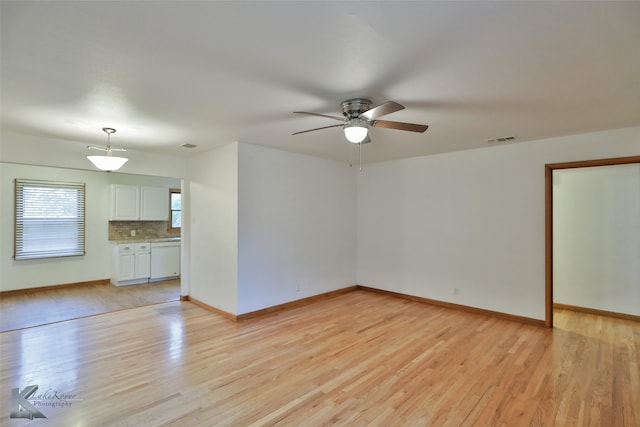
(549, 218)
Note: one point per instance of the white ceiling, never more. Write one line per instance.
(210, 72)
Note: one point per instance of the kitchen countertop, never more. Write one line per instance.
(156, 240)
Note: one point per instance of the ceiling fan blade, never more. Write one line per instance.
(412, 127)
(311, 130)
(320, 115)
(381, 110)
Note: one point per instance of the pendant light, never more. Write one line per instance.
(107, 162)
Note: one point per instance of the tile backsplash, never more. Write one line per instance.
(121, 230)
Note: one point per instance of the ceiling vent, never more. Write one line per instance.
(188, 145)
(503, 139)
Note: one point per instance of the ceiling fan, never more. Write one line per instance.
(359, 117)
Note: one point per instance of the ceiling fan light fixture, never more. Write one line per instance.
(107, 162)
(356, 130)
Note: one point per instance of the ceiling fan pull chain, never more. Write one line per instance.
(360, 148)
(350, 164)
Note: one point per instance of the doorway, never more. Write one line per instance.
(549, 220)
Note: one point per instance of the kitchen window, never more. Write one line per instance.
(175, 210)
(49, 219)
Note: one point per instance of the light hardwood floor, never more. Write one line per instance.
(359, 359)
(39, 307)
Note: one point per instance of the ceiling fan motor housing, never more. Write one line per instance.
(352, 108)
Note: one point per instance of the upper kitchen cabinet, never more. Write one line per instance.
(154, 204)
(125, 202)
(138, 203)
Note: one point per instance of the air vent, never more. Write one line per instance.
(503, 139)
(189, 145)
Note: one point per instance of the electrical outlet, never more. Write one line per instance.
(133, 233)
(456, 291)
(297, 287)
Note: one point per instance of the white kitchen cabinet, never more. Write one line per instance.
(123, 265)
(125, 202)
(130, 263)
(142, 266)
(154, 204)
(139, 203)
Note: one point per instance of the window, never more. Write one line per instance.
(49, 219)
(175, 210)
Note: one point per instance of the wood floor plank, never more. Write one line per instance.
(358, 359)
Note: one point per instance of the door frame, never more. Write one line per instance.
(548, 182)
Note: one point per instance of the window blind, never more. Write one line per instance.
(49, 219)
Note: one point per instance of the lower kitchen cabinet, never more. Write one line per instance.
(130, 263)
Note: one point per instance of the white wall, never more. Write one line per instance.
(95, 265)
(297, 227)
(213, 228)
(596, 237)
(471, 220)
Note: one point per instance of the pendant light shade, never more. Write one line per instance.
(107, 162)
